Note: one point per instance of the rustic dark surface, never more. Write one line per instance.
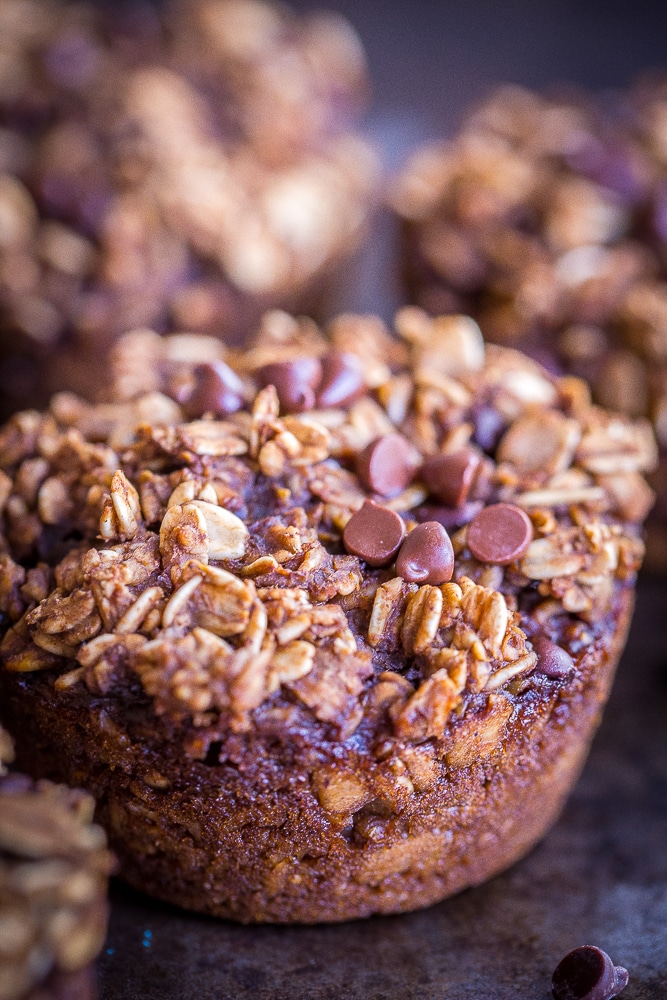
(601, 875)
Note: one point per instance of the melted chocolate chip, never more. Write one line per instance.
(296, 382)
(387, 465)
(217, 390)
(552, 660)
(450, 477)
(342, 379)
(374, 534)
(500, 534)
(489, 427)
(426, 555)
(588, 973)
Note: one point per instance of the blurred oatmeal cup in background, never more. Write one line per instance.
(182, 171)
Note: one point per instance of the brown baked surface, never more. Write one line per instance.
(545, 218)
(273, 728)
(54, 867)
(178, 166)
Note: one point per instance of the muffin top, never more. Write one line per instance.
(355, 533)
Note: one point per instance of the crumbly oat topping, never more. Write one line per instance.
(182, 170)
(53, 874)
(545, 219)
(201, 563)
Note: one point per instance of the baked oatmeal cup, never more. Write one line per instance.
(325, 627)
(187, 169)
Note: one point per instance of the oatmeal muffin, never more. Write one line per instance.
(546, 219)
(53, 877)
(325, 627)
(181, 173)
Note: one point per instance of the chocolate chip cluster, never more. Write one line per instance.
(499, 535)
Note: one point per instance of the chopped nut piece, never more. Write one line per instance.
(549, 557)
(480, 736)
(216, 438)
(616, 446)
(184, 534)
(53, 501)
(339, 792)
(426, 713)
(386, 601)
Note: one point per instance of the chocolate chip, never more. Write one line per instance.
(426, 555)
(374, 534)
(450, 477)
(296, 382)
(450, 518)
(545, 357)
(500, 534)
(489, 427)
(552, 660)
(387, 465)
(588, 973)
(342, 379)
(620, 171)
(14, 783)
(217, 389)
